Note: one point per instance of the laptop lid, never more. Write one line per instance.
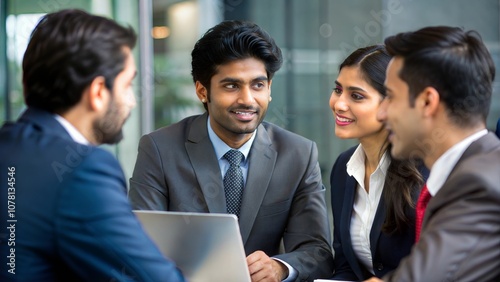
(205, 246)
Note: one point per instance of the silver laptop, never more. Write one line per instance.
(207, 247)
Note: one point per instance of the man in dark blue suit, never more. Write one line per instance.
(65, 215)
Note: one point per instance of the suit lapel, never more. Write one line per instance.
(378, 221)
(262, 159)
(484, 144)
(345, 225)
(205, 164)
(45, 121)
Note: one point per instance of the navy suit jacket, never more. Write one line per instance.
(68, 215)
(387, 250)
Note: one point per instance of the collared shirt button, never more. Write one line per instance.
(379, 266)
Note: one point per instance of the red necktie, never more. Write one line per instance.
(423, 199)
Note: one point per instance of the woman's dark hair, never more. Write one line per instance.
(372, 62)
(229, 41)
(403, 179)
(454, 62)
(67, 51)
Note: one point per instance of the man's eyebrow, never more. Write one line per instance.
(260, 78)
(230, 79)
(236, 80)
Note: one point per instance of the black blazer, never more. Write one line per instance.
(387, 250)
(498, 129)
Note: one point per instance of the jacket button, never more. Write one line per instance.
(379, 266)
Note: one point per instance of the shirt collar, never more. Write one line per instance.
(445, 164)
(221, 148)
(72, 131)
(356, 164)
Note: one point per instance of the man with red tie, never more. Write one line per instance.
(439, 86)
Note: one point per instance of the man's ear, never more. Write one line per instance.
(270, 83)
(98, 94)
(201, 92)
(429, 100)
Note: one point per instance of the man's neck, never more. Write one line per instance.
(443, 138)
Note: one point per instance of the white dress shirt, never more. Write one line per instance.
(365, 204)
(445, 164)
(72, 131)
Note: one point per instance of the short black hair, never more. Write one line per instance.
(453, 61)
(229, 41)
(68, 49)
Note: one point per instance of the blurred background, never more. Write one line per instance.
(315, 36)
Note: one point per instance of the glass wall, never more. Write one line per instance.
(21, 16)
(177, 25)
(315, 35)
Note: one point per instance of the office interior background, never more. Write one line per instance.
(315, 36)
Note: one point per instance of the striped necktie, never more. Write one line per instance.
(233, 182)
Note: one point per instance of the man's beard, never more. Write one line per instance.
(108, 130)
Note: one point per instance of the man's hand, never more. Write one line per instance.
(374, 279)
(264, 268)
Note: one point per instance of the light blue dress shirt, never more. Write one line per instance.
(220, 149)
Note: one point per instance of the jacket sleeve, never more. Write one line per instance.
(307, 237)
(342, 267)
(98, 235)
(459, 239)
(148, 188)
(343, 270)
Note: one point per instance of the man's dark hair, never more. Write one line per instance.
(67, 51)
(230, 41)
(454, 62)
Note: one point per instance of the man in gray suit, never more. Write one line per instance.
(439, 86)
(183, 167)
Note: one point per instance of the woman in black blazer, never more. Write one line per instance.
(498, 128)
(373, 196)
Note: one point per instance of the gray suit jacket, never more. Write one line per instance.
(284, 198)
(460, 238)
